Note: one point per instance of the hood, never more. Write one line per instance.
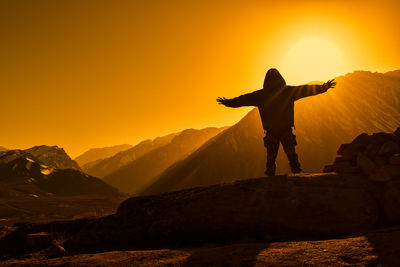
(273, 80)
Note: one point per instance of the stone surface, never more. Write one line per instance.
(282, 207)
(342, 148)
(377, 156)
(381, 160)
(377, 248)
(357, 145)
(55, 251)
(329, 168)
(395, 159)
(397, 132)
(389, 147)
(365, 164)
(380, 138)
(384, 173)
(390, 202)
(39, 241)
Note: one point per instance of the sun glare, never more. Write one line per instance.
(312, 59)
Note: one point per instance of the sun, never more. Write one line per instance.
(312, 59)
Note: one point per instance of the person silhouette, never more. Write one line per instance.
(275, 103)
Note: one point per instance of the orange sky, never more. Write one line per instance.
(83, 74)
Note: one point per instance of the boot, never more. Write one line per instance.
(270, 172)
(271, 167)
(295, 166)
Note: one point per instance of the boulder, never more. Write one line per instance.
(389, 147)
(342, 165)
(342, 148)
(350, 170)
(365, 164)
(380, 160)
(384, 173)
(55, 251)
(397, 132)
(372, 150)
(380, 138)
(390, 202)
(329, 168)
(357, 145)
(395, 159)
(38, 241)
(282, 207)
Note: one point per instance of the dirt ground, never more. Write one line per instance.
(39, 209)
(378, 248)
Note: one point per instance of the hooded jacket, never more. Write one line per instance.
(275, 101)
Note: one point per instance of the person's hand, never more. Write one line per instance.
(330, 84)
(222, 100)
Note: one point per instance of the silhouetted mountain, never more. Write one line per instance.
(101, 168)
(235, 153)
(96, 154)
(141, 172)
(22, 173)
(53, 156)
(2, 148)
(361, 102)
(394, 73)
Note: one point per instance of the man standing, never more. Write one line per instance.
(275, 102)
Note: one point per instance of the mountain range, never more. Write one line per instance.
(96, 154)
(139, 173)
(53, 156)
(103, 167)
(323, 122)
(24, 174)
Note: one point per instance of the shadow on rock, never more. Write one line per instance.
(240, 254)
(386, 246)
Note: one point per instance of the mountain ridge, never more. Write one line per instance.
(23, 174)
(104, 167)
(95, 154)
(53, 156)
(138, 173)
(323, 122)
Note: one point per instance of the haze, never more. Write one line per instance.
(83, 74)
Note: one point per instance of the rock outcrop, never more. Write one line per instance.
(37, 241)
(284, 207)
(376, 157)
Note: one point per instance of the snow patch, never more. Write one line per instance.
(28, 159)
(46, 171)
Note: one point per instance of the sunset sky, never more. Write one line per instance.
(84, 74)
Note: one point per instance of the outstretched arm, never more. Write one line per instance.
(251, 99)
(310, 90)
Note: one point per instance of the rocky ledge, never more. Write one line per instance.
(376, 158)
(299, 207)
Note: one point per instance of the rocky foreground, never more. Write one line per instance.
(378, 248)
(245, 218)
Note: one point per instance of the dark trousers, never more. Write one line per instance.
(272, 140)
